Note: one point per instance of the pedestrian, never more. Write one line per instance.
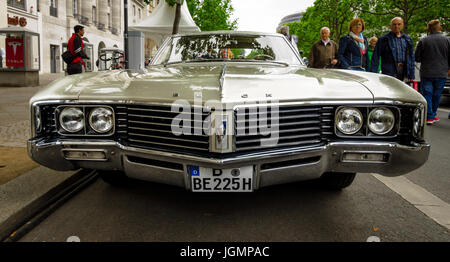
(284, 30)
(2, 56)
(75, 47)
(396, 52)
(323, 53)
(372, 43)
(352, 52)
(433, 54)
(226, 53)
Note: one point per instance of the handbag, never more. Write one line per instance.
(67, 57)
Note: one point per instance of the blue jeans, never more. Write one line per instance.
(432, 88)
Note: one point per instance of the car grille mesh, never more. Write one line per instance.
(297, 126)
(151, 127)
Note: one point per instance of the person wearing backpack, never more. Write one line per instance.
(75, 47)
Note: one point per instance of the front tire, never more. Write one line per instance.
(337, 181)
(114, 178)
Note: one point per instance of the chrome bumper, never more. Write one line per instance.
(270, 168)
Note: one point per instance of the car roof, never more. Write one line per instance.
(231, 32)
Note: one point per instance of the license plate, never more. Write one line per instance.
(221, 180)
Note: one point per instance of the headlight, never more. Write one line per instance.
(381, 120)
(101, 119)
(37, 119)
(71, 119)
(349, 120)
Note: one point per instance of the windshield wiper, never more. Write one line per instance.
(207, 60)
(174, 62)
(265, 61)
(226, 60)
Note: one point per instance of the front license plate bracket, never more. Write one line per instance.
(221, 180)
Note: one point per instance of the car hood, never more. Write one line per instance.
(224, 82)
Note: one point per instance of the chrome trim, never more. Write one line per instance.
(390, 129)
(336, 120)
(81, 150)
(92, 126)
(366, 119)
(403, 159)
(109, 133)
(364, 152)
(68, 131)
(305, 103)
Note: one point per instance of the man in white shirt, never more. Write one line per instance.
(323, 52)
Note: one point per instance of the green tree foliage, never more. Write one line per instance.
(212, 15)
(209, 15)
(336, 14)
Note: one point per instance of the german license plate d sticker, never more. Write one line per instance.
(221, 180)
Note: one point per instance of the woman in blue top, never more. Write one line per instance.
(353, 48)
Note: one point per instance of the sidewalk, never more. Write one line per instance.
(25, 186)
(15, 128)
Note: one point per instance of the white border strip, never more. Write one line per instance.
(444, 110)
(427, 203)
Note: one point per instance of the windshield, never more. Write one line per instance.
(228, 47)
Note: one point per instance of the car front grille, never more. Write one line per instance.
(297, 126)
(151, 127)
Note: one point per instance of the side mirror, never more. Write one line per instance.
(301, 52)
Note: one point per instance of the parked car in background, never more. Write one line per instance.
(229, 111)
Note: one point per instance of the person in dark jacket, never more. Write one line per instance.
(433, 53)
(396, 51)
(323, 52)
(352, 53)
(75, 47)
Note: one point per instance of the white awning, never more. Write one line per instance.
(160, 23)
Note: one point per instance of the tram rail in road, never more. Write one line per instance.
(30, 216)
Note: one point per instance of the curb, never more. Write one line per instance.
(22, 221)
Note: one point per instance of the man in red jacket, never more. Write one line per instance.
(75, 46)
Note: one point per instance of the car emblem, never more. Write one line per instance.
(221, 132)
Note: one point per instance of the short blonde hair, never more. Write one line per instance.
(355, 22)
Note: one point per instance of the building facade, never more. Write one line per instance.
(296, 17)
(54, 21)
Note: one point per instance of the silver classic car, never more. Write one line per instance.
(229, 111)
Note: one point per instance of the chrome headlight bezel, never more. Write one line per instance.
(388, 112)
(418, 122)
(74, 109)
(338, 119)
(37, 119)
(106, 110)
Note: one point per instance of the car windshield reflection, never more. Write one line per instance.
(228, 47)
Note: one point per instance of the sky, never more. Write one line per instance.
(264, 15)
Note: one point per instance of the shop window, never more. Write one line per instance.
(54, 8)
(17, 4)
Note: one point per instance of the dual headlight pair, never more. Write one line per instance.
(349, 120)
(72, 119)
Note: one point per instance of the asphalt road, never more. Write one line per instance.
(303, 211)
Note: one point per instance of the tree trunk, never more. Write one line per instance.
(176, 22)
